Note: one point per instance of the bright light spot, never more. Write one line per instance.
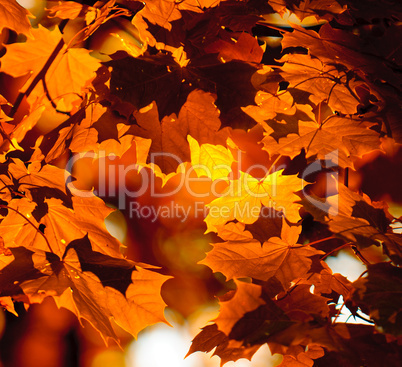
(351, 268)
(283, 21)
(116, 225)
(346, 315)
(395, 210)
(27, 4)
(346, 265)
(162, 346)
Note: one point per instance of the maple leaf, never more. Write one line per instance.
(159, 78)
(53, 144)
(35, 176)
(293, 325)
(213, 161)
(301, 304)
(15, 17)
(61, 225)
(244, 48)
(338, 138)
(354, 218)
(270, 105)
(211, 337)
(380, 295)
(100, 130)
(302, 358)
(346, 48)
(265, 227)
(281, 258)
(91, 285)
(163, 13)
(325, 282)
(244, 196)
(67, 76)
(325, 82)
(67, 10)
(247, 298)
(198, 117)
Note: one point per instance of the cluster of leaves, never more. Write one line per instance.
(195, 75)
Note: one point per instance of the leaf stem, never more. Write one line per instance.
(268, 25)
(322, 240)
(339, 312)
(336, 249)
(273, 164)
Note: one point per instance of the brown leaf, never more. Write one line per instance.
(228, 350)
(354, 218)
(244, 48)
(247, 298)
(380, 294)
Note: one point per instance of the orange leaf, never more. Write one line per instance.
(15, 17)
(282, 257)
(67, 76)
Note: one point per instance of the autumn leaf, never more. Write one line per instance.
(332, 44)
(247, 298)
(338, 138)
(213, 161)
(326, 282)
(281, 258)
(15, 17)
(198, 117)
(325, 82)
(228, 350)
(37, 176)
(85, 282)
(301, 357)
(380, 295)
(21, 227)
(68, 75)
(354, 218)
(270, 105)
(244, 48)
(66, 10)
(244, 196)
(300, 304)
(203, 93)
(159, 78)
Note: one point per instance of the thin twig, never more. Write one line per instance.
(336, 249)
(322, 240)
(360, 256)
(40, 75)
